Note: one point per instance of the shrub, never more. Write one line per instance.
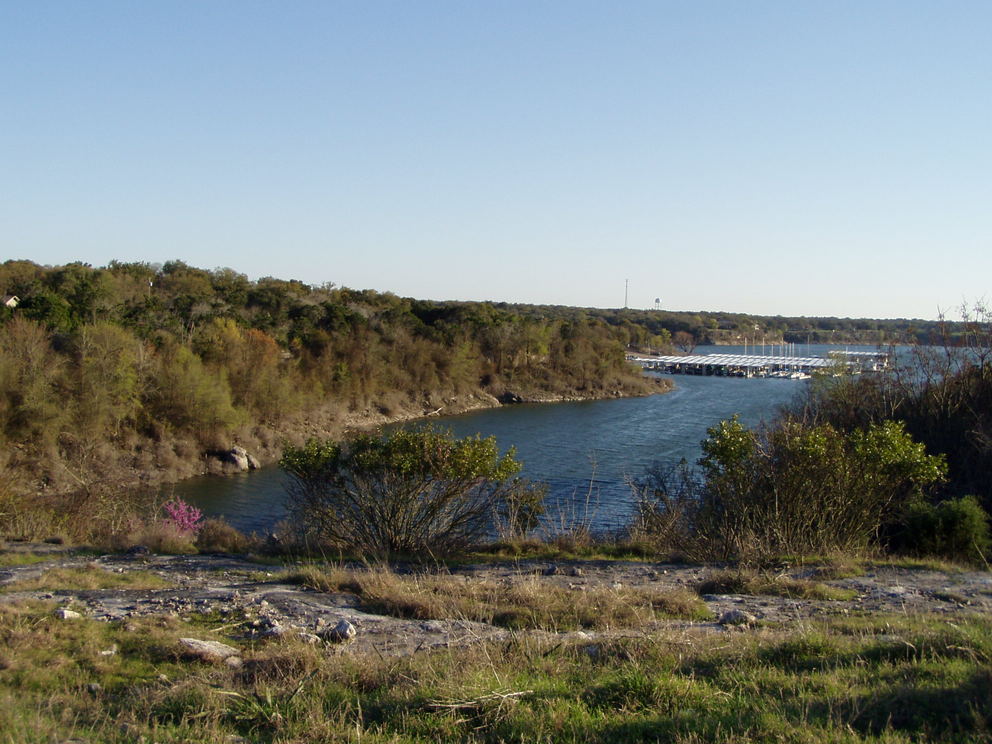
(217, 536)
(957, 529)
(793, 489)
(161, 537)
(404, 492)
(183, 516)
(520, 511)
(666, 506)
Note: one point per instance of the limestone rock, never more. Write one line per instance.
(208, 650)
(63, 614)
(340, 633)
(240, 458)
(737, 617)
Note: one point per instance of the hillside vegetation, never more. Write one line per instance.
(140, 369)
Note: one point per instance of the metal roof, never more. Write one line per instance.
(740, 360)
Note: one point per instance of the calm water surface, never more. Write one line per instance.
(585, 451)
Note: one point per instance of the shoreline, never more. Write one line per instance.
(149, 465)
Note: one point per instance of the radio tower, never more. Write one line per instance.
(626, 286)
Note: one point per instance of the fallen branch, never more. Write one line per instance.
(471, 704)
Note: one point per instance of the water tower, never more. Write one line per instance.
(657, 303)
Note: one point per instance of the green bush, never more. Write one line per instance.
(793, 489)
(957, 529)
(408, 492)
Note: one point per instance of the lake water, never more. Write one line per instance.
(585, 451)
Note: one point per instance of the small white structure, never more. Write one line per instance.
(11, 301)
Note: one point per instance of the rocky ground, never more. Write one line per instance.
(229, 586)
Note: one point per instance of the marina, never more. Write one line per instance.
(760, 365)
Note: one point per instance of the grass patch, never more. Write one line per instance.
(893, 679)
(754, 583)
(918, 564)
(22, 559)
(88, 577)
(531, 603)
(832, 569)
(559, 549)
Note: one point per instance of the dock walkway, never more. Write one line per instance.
(760, 365)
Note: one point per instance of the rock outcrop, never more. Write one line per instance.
(239, 457)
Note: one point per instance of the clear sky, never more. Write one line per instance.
(793, 158)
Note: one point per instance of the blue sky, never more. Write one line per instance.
(794, 158)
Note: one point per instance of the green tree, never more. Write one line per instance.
(405, 492)
(32, 407)
(185, 395)
(107, 378)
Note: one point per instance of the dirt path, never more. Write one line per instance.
(225, 586)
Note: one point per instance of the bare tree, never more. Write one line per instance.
(685, 341)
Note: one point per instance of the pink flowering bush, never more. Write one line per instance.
(185, 517)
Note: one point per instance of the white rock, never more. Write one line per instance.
(63, 614)
(208, 650)
(737, 617)
(343, 631)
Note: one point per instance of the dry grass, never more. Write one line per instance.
(836, 567)
(159, 537)
(574, 545)
(532, 602)
(919, 564)
(217, 536)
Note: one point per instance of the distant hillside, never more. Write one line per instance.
(732, 328)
